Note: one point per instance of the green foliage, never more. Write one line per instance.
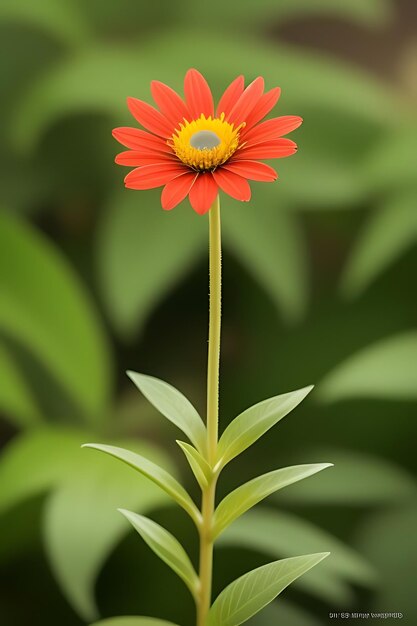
(156, 474)
(390, 232)
(246, 496)
(201, 469)
(166, 547)
(16, 398)
(357, 479)
(173, 405)
(383, 370)
(45, 309)
(251, 592)
(250, 425)
(50, 459)
(123, 241)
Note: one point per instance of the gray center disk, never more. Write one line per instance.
(204, 140)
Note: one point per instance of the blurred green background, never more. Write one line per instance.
(319, 287)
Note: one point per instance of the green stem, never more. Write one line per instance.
(209, 493)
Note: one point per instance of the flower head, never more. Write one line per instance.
(192, 149)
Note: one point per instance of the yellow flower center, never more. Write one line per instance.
(205, 143)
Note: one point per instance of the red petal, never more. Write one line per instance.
(268, 150)
(176, 190)
(232, 184)
(230, 96)
(150, 118)
(138, 139)
(253, 170)
(197, 94)
(203, 193)
(155, 175)
(133, 158)
(272, 129)
(247, 102)
(264, 106)
(169, 103)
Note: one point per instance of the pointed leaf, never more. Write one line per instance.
(173, 405)
(133, 621)
(68, 340)
(247, 427)
(386, 369)
(252, 492)
(155, 473)
(251, 592)
(201, 469)
(166, 546)
(389, 233)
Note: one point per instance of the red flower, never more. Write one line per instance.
(192, 149)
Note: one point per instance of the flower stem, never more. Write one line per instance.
(209, 493)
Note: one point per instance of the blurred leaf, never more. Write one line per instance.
(373, 12)
(251, 592)
(283, 612)
(45, 308)
(16, 399)
(389, 541)
(60, 20)
(133, 621)
(386, 369)
(391, 230)
(133, 277)
(37, 461)
(201, 469)
(173, 405)
(271, 248)
(279, 534)
(246, 496)
(80, 84)
(167, 547)
(247, 427)
(152, 471)
(82, 525)
(357, 479)
(390, 163)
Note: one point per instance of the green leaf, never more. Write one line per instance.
(37, 461)
(82, 526)
(251, 592)
(357, 479)
(201, 469)
(167, 547)
(271, 248)
(59, 19)
(385, 370)
(246, 496)
(133, 621)
(49, 313)
(16, 398)
(155, 473)
(391, 230)
(125, 241)
(278, 534)
(173, 405)
(247, 427)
